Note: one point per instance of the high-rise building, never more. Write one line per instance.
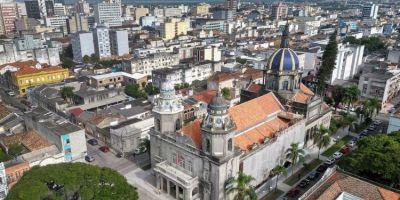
(279, 11)
(82, 7)
(101, 38)
(108, 14)
(172, 28)
(82, 45)
(77, 23)
(8, 15)
(232, 6)
(201, 9)
(119, 42)
(59, 9)
(39, 8)
(370, 11)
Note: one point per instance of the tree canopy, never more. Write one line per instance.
(134, 91)
(371, 43)
(72, 181)
(376, 158)
(67, 92)
(226, 92)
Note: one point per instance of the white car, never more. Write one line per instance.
(337, 155)
(330, 161)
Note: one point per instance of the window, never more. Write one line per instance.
(67, 141)
(189, 166)
(178, 124)
(208, 146)
(285, 85)
(230, 144)
(158, 125)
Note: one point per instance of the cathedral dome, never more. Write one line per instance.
(167, 86)
(283, 59)
(218, 102)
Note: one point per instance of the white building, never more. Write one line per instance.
(3, 182)
(119, 42)
(56, 21)
(108, 14)
(394, 122)
(348, 60)
(102, 45)
(180, 74)
(146, 65)
(370, 11)
(59, 9)
(82, 45)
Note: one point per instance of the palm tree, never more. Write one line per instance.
(371, 106)
(242, 188)
(278, 170)
(351, 121)
(294, 153)
(351, 95)
(321, 138)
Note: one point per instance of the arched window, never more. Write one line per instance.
(285, 85)
(178, 124)
(230, 144)
(208, 146)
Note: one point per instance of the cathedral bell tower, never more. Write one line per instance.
(167, 110)
(218, 130)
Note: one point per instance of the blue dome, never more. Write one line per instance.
(283, 59)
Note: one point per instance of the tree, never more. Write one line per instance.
(376, 158)
(338, 96)
(351, 95)
(321, 138)
(328, 63)
(94, 58)
(66, 57)
(67, 93)
(134, 91)
(243, 188)
(241, 61)
(295, 154)
(372, 44)
(278, 170)
(371, 106)
(226, 92)
(77, 179)
(86, 59)
(15, 150)
(151, 89)
(351, 121)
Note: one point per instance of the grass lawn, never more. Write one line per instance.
(303, 172)
(337, 146)
(274, 194)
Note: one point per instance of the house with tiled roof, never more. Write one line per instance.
(208, 153)
(337, 184)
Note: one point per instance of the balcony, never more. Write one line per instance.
(176, 175)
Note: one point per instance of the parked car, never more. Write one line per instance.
(330, 161)
(10, 93)
(93, 142)
(304, 183)
(119, 155)
(322, 168)
(313, 175)
(351, 143)
(337, 155)
(140, 150)
(293, 192)
(345, 150)
(104, 149)
(371, 128)
(89, 158)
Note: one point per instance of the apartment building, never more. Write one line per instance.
(174, 27)
(82, 45)
(145, 65)
(108, 14)
(102, 45)
(8, 15)
(119, 42)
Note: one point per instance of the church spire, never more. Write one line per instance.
(285, 36)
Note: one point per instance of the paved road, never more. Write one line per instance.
(13, 101)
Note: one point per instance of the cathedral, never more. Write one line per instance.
(199, 160)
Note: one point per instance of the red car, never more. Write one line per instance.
(104, 149)
(345, 150)
(293, 192)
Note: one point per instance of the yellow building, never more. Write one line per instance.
(201, 9)
(172, 28)
(28, 76)
(141, 12)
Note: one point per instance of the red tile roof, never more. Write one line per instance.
(303, 95)
(193, 130)
(254, 88)
(21, 64)
(205, 96)
(76, 112)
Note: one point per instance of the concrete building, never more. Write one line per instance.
(26, 24)
(119, 42)
(77, 23)
(174, 27)
(59, 9)
(117, 79)
(82, 45)
(348, 61)
(69, 138)
(102, 45)
(172, 12)
(57, 22)
(201, 9)
(381, 83)
(370, 11)
(141, 12)
(145, 65)
(82, 7)
(3, 182)
(394, 122)
(38, 9)
(9, 12)
(279, 11)
(108, 14)
(184, 73)
(147, 21)
(393, 55)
